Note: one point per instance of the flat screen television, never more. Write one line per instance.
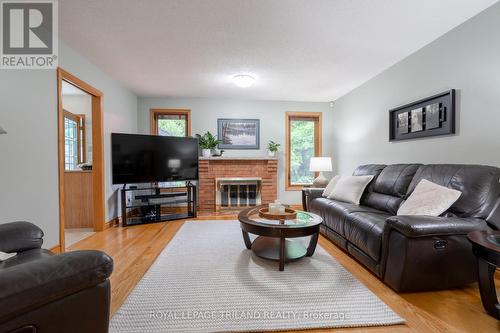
(148, 158)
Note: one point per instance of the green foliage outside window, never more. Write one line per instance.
(172, 127)
(301, 151)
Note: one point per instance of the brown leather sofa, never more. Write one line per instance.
(42, 292)
(413, 253)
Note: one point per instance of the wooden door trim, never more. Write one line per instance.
(153, 113)
(97, 151)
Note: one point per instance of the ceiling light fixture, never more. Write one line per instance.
(243, 80)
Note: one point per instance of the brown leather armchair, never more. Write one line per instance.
(43, 292)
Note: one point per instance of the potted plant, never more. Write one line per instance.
(207, 142)
(272, 148)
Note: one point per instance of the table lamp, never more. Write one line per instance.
(320, 164)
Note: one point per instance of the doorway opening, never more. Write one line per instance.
(80, 144)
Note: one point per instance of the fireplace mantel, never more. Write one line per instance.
(212, 168)
(236, 158)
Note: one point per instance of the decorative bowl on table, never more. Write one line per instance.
(288, 214)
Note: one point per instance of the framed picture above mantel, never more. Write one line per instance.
(238, 133)
(431, 116)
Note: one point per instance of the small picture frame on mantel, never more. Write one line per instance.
(431, 116)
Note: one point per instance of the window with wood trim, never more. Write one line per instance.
(74, 140)
(170, 122)
(303, 141)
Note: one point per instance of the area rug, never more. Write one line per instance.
(205, 280)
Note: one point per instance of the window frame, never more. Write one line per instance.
(154, 113)
(317, 117)
(79, 119)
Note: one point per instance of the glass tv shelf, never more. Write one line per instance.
(152, 204)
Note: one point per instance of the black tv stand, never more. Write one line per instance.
(141, 205)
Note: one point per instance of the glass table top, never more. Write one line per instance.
(303, 219)
(495, 239)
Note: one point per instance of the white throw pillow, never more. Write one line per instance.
(429, 199)
(350, 188)
(5, 256)
(330, 186)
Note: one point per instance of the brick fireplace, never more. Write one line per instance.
(241, 170)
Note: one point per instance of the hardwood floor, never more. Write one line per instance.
(134, 249)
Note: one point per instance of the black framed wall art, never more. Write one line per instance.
(238, 133)
(431, 116)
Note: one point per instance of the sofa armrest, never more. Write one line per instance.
(423, 226)
(20, 236)
(28, 286)
(310, 193)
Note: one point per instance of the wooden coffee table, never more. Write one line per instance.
(272, 242)
(486, 247)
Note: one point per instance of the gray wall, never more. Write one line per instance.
(28, 153)
(468, 59)
(120, 112)
(205, 111)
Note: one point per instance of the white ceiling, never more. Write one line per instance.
(316, 50)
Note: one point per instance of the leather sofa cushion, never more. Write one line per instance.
(34, 283)
(395, 179)
(365, 230)
(383, 202)
(333, 236)
(366, 260)
(388, 190)
(479, 185)
(334, 212)
(369, 170)
(25, 257)
(20, 236)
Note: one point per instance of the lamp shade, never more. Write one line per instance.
(320, 164)
(2, 131)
